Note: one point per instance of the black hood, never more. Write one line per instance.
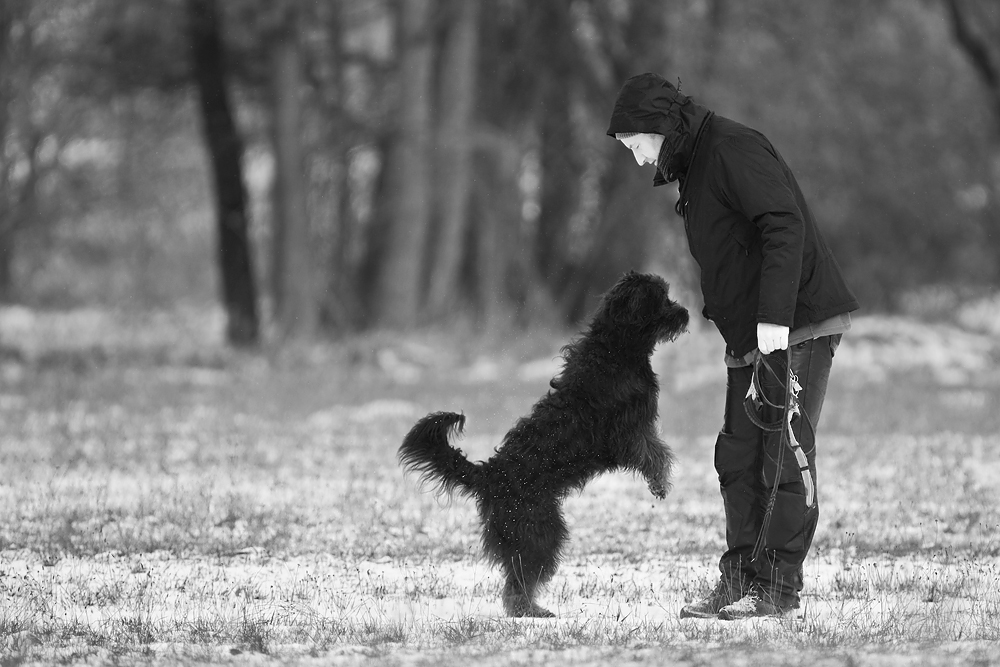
(649, 103)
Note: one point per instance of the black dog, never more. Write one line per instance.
(600, 415)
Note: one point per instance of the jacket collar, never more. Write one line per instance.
(680, 145)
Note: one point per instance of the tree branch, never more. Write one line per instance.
(974, 46)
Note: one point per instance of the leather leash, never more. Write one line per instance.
(753, 404)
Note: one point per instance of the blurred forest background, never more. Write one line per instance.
(316, 167)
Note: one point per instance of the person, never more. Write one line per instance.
(775, 292)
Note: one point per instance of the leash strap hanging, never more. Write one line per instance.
(755, 400)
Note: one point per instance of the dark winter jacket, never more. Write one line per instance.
(761, 255)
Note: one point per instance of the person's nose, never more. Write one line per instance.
(638, 158)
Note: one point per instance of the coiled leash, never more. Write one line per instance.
(753, 404)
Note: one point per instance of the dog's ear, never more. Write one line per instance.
(636, 300)
(623, 303)
(639, 301)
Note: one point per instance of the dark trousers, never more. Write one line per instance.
(746, 458)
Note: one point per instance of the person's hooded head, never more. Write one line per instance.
(658, 123)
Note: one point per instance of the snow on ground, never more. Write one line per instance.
(850, 597)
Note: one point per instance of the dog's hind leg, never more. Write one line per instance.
(526, 542)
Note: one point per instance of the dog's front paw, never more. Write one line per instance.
(658, 488)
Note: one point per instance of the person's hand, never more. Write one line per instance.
(771, 337)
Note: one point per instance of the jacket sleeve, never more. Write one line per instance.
(754, 182)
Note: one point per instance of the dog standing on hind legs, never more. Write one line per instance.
(599, 415)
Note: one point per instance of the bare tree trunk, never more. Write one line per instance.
(621, 235)
(718, 17)
(560, 169)
(296, 310)
(985, 60)
(16, 213)
(401, 271)
(496, 212)
(225, 147)
(10, 13)
(458, 95)
(983, 51)
(338, 298)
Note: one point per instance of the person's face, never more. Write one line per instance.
(645, 147)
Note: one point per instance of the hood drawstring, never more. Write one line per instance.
(670, 162)
(681, 207)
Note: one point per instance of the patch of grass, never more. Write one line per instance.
(254, 635)
(205, 631)
(378, 633)
(464, 630)
(145, 507)
(132, 630)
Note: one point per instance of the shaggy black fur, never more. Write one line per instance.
(600, 415)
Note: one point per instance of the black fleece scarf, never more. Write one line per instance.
(649, 103)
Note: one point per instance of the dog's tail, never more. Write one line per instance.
(426, 450)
